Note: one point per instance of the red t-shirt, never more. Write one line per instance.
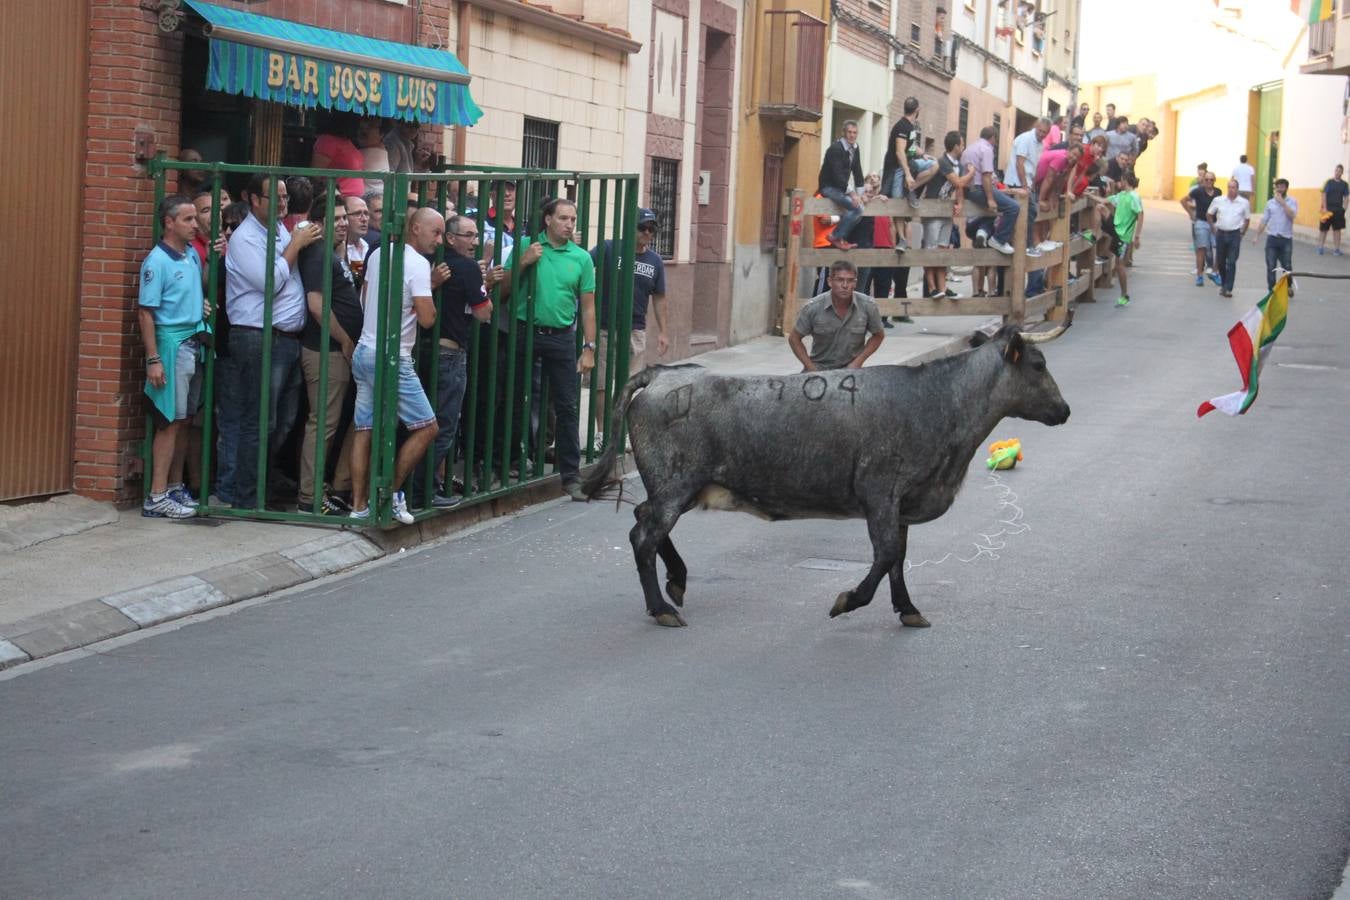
(881, 232)
(342, 154)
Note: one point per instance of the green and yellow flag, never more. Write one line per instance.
(1318, 9)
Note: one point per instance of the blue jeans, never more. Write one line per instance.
(1278, 250)
(283, 402)
(850, 216)
(1007, 211)
(897, 185)
(227, 425)
(1227, 245)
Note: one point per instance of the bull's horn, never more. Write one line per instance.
(1040, 337)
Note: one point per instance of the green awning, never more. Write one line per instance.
(301, 65)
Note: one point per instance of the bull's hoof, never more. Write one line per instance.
(671, 620)
(842, 604)
(914, 620)
(675, 592)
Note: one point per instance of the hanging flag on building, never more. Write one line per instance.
(1317, 10)
(1251, 339)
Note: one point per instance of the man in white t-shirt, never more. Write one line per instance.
(1246, 178)
(426, 228)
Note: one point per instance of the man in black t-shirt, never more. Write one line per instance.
(464, 299)
(344, 329)
(1196, 204)
(1332, 214)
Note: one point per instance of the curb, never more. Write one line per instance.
(173, 598)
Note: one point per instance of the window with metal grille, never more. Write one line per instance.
(963, 120)
(539, 149)
(998, 128)
(665, 202)
(773, 197)
(915, 35)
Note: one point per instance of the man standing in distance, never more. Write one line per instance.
(564, 290)
(375, 209)
(1230, 216)
(1332, 214)
(839, 322)
(840, 164)
(649, 292)
(1278, 224)
(1246, 178)
(425, 230)
(358, 223)
(1196, 205)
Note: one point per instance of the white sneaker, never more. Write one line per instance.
(981, 238)
(1033, 251)
(401, 509)
(165, 507)
(1001, 247)
(1048, 246)
(360, 515)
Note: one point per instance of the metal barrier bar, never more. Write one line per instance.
(321, 413)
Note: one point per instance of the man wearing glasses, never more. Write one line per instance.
(464, 298)
(649, 291)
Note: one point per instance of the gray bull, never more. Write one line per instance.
(889, 444)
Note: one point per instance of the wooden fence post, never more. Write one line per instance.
(792, 263)
(1017, 272)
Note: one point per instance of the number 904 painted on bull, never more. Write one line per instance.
(888, 444)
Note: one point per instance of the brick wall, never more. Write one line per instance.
(134, 75)
(866, 45)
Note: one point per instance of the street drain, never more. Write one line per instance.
(833, 565)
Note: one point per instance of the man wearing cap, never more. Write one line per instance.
(649, 291)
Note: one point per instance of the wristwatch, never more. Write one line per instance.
(588, 345)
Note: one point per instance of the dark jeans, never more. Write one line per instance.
(849, 214)
(450, 386)
(227, 426)
(879, 281)
(1007, 211)
(1227, 245)
(1278, 250)
(557, 355)
(246, 346)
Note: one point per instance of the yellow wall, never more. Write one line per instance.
(1137, 98)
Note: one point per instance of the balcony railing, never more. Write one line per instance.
(1322, 38)
(794, 66)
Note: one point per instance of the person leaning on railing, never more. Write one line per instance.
(246, 268)
(424, 232)
(344, 330)
(564, 291)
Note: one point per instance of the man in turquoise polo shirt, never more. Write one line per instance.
(170, 312)
(564, 286)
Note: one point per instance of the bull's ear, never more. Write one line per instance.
(1016, 347)
(979, 338)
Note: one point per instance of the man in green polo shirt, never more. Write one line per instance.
(564, 285)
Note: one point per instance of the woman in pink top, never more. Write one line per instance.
(1052, 179)
(333, 149)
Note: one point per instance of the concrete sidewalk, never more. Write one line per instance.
(74, 572)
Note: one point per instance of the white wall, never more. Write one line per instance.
(860, 83)
(1213, 130)
(1313, 128)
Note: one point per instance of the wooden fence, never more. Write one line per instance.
(1014, 306)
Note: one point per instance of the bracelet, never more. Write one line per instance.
(151, 360)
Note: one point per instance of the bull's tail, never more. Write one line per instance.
(603, 476)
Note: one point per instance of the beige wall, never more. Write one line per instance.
(521, 71)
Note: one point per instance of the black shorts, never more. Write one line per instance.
(1335, 223)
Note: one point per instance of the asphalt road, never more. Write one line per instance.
(1137, 689)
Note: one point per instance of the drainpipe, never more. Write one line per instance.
(459, 150)
(988, 33)
(1077, 36)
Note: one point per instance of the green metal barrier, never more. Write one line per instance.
(498, 451)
